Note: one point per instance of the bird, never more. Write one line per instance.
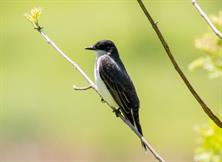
(114, 84)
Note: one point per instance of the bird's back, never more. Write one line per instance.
(118, 82)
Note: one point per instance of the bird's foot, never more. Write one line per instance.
(102, 100)
(117, 112)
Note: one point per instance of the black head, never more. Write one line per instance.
(103, 45)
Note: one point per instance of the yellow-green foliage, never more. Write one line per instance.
(33, 16)
(212, 46)
(209, 144)
(209, 136)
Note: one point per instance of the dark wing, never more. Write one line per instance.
(119, 84)
(121, 88)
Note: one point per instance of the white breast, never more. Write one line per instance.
(101, 87)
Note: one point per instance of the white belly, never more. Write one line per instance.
(101, 87)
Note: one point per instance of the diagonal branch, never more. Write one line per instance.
(205, 17)
(34, 20)
(92, 85)
(204, 106)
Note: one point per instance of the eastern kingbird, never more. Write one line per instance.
(114, 83)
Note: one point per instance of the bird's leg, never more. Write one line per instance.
(117, 112)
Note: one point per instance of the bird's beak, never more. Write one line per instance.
(92, 47)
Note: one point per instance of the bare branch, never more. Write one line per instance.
(205, 17)
(34, 20)
(81, 88)
(75, 65)
(204, 106)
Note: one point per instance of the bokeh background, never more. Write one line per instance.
(43, 119)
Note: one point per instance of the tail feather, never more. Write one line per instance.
(138, 126)
(133, 117)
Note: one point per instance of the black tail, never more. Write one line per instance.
(133, 117)
(138, 126)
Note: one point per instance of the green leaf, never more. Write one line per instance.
(209, 144)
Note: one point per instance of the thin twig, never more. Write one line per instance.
(81, 88)
(205, 17)
(93, 86)
(206, 109)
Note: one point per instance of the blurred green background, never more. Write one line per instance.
(42, 118)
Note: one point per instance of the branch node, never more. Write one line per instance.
(156, 22)
(38, 28)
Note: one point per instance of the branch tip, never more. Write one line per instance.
(156, 22)
(33, 17)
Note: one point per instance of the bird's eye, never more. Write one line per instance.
(102, 47)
